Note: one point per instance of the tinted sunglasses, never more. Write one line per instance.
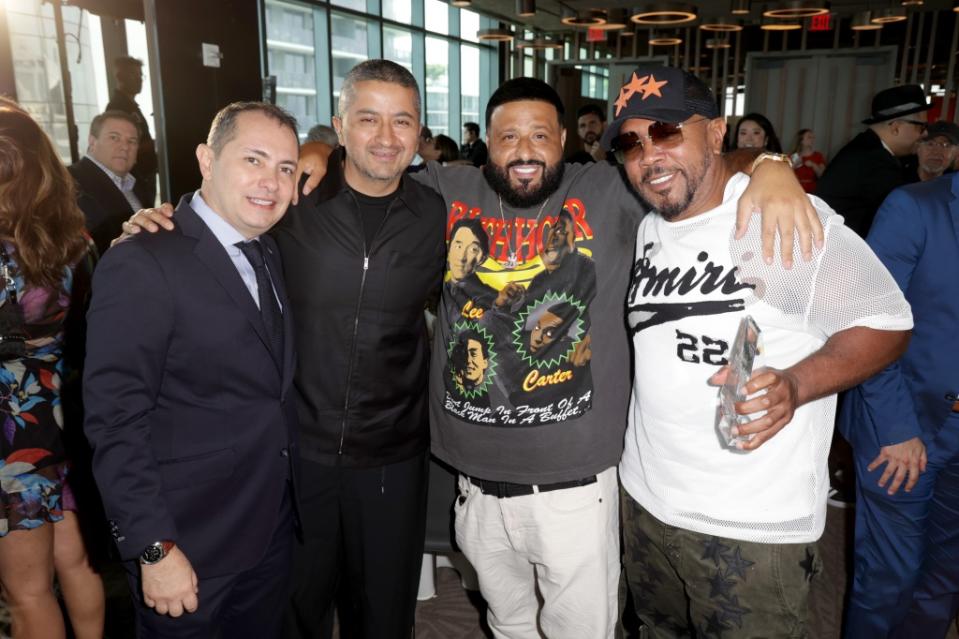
(665, 135)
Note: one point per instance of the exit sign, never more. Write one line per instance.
(821, 22)
(595, 35)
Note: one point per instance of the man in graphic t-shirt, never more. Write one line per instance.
(717, 534)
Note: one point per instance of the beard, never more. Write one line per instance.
(524, 197)
(694, 177)
(590, 138)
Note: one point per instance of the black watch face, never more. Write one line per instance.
(152, 554)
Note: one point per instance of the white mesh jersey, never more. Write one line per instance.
(692, 284)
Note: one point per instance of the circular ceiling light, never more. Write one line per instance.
(664, 13)
(911, 3)
(797, 9)
(717, 43)
(587, 18)
(663, 39)
(461, 3)
(721, 24)
(494, 35)
(863, 21)
(889, 15)
(772, 25)
(538, 44)
(740, 8)
(615, 19)
(526, 8)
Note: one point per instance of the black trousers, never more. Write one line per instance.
(246, 605)
(364, 529)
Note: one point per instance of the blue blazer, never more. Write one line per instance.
(190, 416)
(916, 235)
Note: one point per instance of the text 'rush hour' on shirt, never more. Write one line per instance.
(692, 285)
(529, 378)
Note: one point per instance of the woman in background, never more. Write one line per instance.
(755, 131)
(41, 239)
(807, 161)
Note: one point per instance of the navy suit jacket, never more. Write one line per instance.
(189, 415)
(916, 235)
(102, 203)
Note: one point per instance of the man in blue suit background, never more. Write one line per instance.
(187, 391)
(903, 425)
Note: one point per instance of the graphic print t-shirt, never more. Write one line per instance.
(530, 374)
(692, 284)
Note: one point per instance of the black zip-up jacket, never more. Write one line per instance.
(362, 347)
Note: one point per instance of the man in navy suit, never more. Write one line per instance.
(903, 425)
(187, 389)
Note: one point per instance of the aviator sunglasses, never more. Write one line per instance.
(665, 135)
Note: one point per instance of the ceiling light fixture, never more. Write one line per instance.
(539, 44)
(797, 9)
(526, 8)
(587, 18)
(494, 35)
(740, 8)
(889, 15)
(911, 3)
(775, 25)
(663, 39)
(863, 21)
(662, 13)
(721, 24)
(717, 43)
(615, 19)
(461, 3)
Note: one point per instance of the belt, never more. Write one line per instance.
(503, 489)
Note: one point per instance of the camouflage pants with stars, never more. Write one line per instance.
(687, 584)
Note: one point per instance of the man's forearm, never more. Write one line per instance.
(846, 359)
(740, 160)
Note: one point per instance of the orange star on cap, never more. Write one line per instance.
(652, 87)
(628, 90)
(621, 101)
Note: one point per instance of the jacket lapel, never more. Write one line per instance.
(212, 254)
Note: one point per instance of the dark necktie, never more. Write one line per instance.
(269, 307)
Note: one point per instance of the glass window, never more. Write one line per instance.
(594, 82)
(438, 16)
(349, 46)
(291, 57)
(357, 5)
(437, 85)
(469, 25)
(398, 10)
(398, 46)
(470, 83)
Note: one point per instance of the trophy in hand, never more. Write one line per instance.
(741, 357)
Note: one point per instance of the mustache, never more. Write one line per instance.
(538, 163)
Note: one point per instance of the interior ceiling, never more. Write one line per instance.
(549, 12)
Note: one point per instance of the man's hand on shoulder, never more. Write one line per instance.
(776, 193)
(150, 220)
(904, 461)
(312, 162)
(170, 586)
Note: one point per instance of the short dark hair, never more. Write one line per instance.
(519, 89)
(475, 226)
(113, 114)
(426, 133)
(377, 70)
(473, 127)
(591, 109)
(126, 62)
(223, 127)
(449, 150)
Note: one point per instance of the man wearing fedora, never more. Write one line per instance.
(865, 170)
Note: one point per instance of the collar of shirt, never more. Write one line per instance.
(226, 234)
(886, 146)
(124, 183)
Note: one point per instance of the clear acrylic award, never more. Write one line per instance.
(742, 355)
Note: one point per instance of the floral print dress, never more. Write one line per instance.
(32, 461)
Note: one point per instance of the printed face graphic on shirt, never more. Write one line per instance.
(532, 315)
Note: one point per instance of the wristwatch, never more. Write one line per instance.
(156, 551)
(777, 157)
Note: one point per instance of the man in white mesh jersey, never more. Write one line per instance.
(723, 539)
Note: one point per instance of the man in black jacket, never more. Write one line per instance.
(867, 169)
(107, 192)
(129, 83)
(362, 254)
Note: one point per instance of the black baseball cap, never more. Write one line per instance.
(943, 129)
(664, 94)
